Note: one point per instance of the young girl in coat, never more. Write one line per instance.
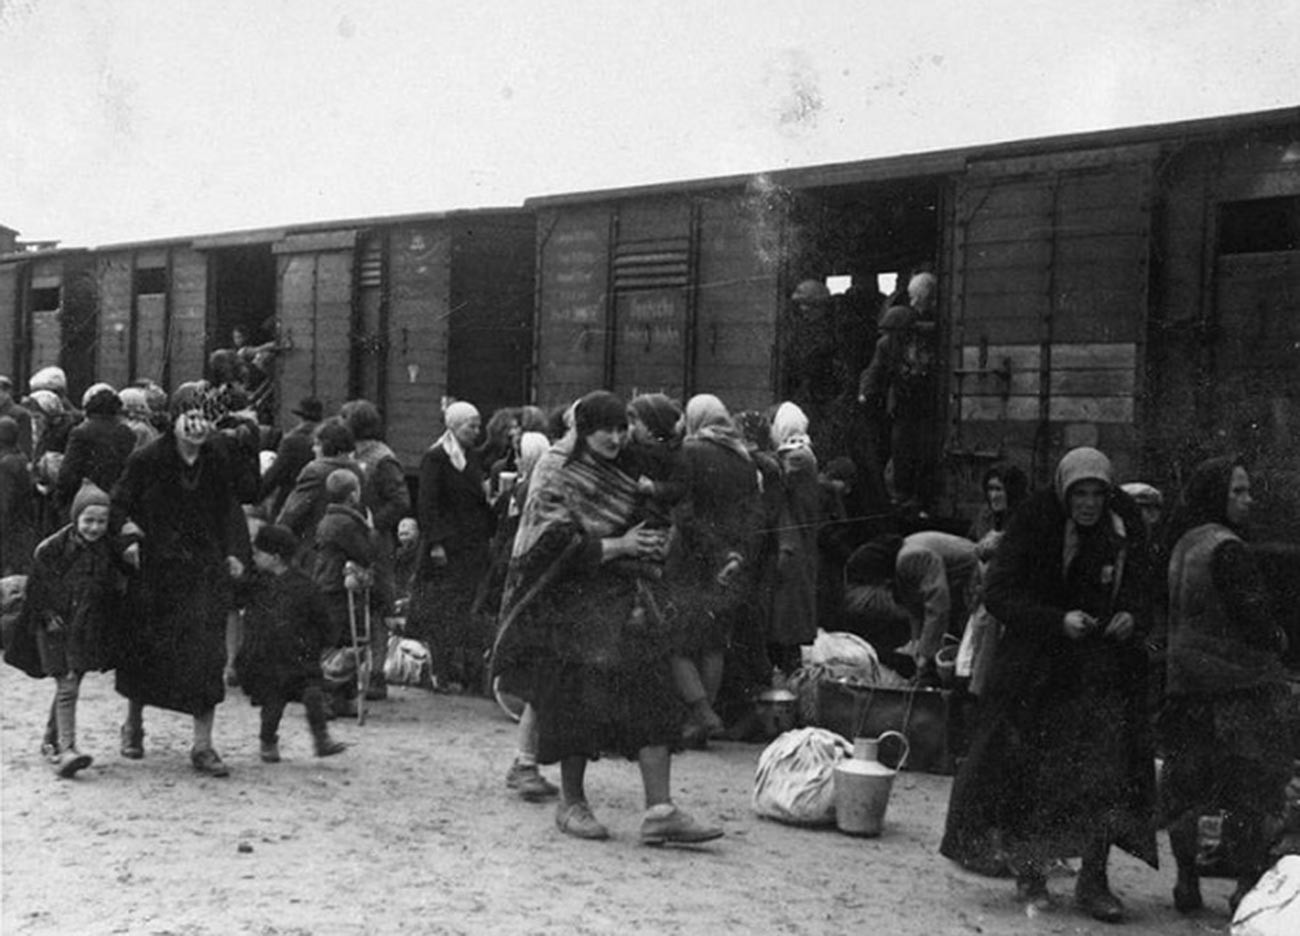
(73, 585)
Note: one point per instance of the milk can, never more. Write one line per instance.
(862, 785)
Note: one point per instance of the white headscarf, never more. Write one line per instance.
(455, 416)
(790, 428)
(532, 446)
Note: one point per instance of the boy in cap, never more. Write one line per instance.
(285, 624)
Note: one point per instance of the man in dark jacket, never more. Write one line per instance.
(292, 455)
(306, 503)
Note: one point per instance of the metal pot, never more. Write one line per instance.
(776, 710)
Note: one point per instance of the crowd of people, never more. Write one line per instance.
(635, 572)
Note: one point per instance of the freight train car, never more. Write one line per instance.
(402, 310)
(1138, 289)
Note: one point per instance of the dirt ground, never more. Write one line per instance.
(412, 830)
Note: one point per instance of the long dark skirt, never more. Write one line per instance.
(587, 711)
(1048, 775)
(173, 651)
(442, 614)
(1228, 753)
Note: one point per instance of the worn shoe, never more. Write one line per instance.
(70, 761)
(50, 750)
(328, 747)
(528, 782)
(207, 761)
(270, 752)
(665, 824)
(577, 820)
(1031, 890)
(132, 743)
(1099, 903)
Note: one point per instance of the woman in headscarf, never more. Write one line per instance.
(1061, 764)
(583, 637)
(1226, 744)
(712, 561)
(795, 512)
(456, 525)
(180, 494)
(98, 447)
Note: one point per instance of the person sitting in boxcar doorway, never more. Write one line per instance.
(456, 526)
(1062, 765)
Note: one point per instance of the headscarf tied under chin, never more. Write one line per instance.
(707, 418)
(1087, 464)
(454, 417)
(1082, 464)
(790, 428)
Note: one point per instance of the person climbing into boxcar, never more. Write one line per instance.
(17, 503)
(711, 564)
(792, 575)
(1227, 750)
(388, 499)
(179, 493)
(98, 447)
(293, 453)
(1062, 765)
(456, 526)
(583, 638)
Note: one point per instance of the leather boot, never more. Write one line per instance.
(1092, 891)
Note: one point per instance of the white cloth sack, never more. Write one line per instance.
(795, 781)
(407, 661)
(840, 648)
(1272, 907)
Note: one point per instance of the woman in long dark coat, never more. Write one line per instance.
(1062, 764)
(792, 576)
(582, 635)
(1223, 724)
(718, 526)
(456, 525)
(193, 540)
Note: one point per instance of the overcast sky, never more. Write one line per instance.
(131, 119)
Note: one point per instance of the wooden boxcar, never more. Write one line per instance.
(1138, 290)
(402, 310)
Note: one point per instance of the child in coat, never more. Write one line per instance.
(346, 549)
(73, 586)
(285, 624)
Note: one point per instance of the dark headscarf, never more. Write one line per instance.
(1205, 498)
(660, 413)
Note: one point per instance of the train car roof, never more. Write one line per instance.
(940, 162)
(266, 235)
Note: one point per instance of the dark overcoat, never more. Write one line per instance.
(1062, 753)
(173, 651)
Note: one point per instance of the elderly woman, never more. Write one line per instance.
(179, 492)
(1225, 739)
(718, 524)
(1061, 765)
(456, 525)
(795, 512)
(582, 635)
